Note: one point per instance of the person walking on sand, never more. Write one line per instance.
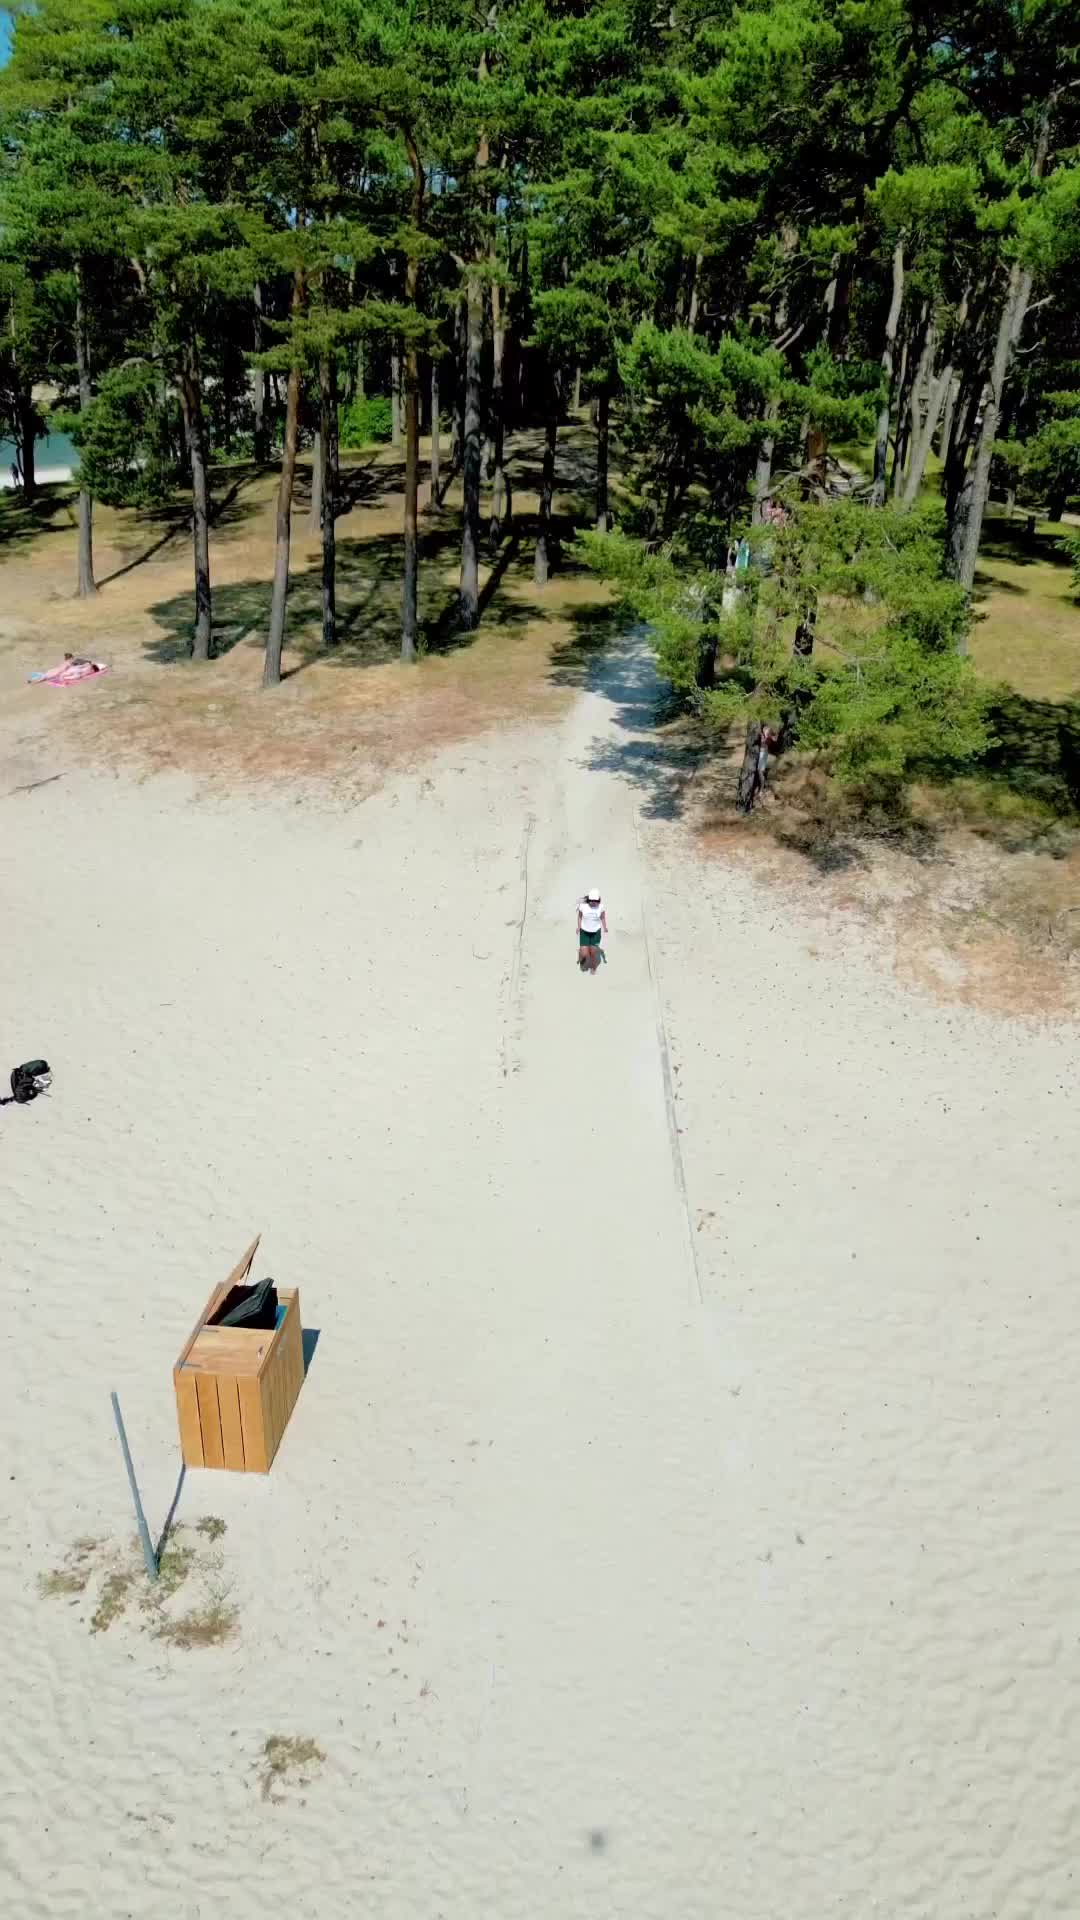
(591, 925)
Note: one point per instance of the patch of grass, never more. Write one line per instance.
(120, 1584)
(1027, 630)
(286, 1760)
(1015, 821)
(173, 1569)
(210, 1625)
(73, 1576)
(113, 1601)
(63, 1580)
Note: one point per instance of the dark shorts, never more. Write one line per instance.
(589, 939)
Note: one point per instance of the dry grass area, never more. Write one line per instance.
(983, 915)
(106, 1582)
(351, 715)
(288, 1760)
(1027, 634)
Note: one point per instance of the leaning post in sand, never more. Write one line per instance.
(144, 1532)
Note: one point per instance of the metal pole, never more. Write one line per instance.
(144, 1532)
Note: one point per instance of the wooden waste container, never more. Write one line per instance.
(236, 1386)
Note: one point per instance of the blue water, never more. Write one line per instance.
(53, 450)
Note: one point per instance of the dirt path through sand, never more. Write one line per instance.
(679, 1515)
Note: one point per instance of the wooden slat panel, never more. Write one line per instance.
(289, 1383)
(266, 1415)
(271, 1390)
(251, 1422)
(294, 1343)
(291, 1343)
(232, 1432)
(198, 1327)
(187, 1414)
(209, 1420)
(281, 1397)
(229, 1350)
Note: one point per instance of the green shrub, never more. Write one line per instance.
(365, 421)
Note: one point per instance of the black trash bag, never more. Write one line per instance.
(29, 1080)
(252, 1307)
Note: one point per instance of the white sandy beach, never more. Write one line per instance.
(680, 1516)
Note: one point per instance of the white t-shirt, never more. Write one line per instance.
(591, 915)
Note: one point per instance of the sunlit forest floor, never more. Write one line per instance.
(352, 712)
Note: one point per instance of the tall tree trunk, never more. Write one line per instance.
(28, 426)
(435, 446)
(963, 549)
(542, 563)
(461, 349)
(260, 387)
(361, 391)
(763, 467)
(469, 596)
(334, 463)
(747, 783)
(275, 637)
(952, 396)
(1012, 319)
(315, 515)
(888, 356)
(926, 395)
(603, 436)
(395, 397)
(914, 363)
(409, 619)
(901, 447)
(87, 583)
(191, 400)
(915, 404)
(328, 496)
(958, 471)
(577, 390)
(500, 490)
(924, 434)
(695, 293)
(838, 305)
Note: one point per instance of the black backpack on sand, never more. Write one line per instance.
(29, 1080)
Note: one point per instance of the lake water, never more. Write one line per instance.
(54, 455)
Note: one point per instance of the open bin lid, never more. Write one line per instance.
(239, 1350)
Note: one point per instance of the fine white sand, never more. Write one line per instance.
(679, 1518)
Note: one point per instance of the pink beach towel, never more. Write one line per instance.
(69, 671)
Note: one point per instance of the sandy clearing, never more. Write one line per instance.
(618, 1565)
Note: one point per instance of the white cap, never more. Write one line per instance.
(593, 893)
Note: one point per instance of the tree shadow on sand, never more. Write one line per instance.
(173, 520)
(656, 747)
(1010, 540)
(53, 511)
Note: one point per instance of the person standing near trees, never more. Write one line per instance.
(591, 925)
